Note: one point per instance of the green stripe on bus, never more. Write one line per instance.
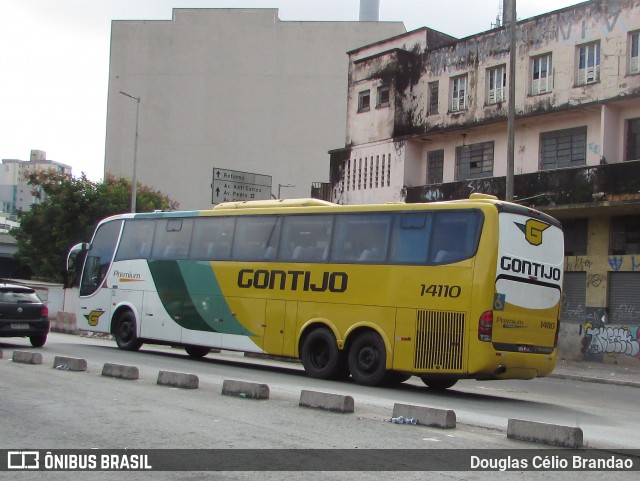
(191, 295)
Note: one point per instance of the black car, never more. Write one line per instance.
(22, 314)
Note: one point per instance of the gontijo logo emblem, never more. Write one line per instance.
(93, 317)
(533, 230)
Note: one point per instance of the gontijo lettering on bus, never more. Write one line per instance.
(292, 280)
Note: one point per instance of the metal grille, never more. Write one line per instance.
(439, 340)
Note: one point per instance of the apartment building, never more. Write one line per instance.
(427, 119)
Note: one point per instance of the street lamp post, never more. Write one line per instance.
(134, 178)
(280, 186)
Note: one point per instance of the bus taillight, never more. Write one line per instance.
(485, 326)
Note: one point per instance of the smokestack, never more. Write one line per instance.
(369, 10)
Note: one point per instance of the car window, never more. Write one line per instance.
(18, 295)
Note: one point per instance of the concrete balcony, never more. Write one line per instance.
(579, 188)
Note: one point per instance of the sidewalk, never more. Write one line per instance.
(597, 372)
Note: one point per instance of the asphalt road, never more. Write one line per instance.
(46, 408)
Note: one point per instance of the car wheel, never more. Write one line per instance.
(197, 352)
(38, 341)
(321, 357)
(367, 359)
(125, 332)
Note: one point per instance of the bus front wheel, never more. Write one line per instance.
(320, 355)
(197, 352)
(367, 359)
(125, 332)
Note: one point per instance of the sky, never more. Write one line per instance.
(54, 59)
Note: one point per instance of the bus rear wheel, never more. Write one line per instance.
(368, 359)
(125, 332)
(197, 352)
(320, 355)
(439, 384)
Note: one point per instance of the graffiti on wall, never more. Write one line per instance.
(616, 263)
(618, 340)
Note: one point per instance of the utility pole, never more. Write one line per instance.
(511, 120)
(134, 179)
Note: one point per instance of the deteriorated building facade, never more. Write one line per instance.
(427, 120)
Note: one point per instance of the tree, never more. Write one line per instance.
(68, 213)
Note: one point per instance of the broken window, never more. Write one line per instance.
(433, 97)
(589, 64)
(634, 59)
(364, 100)
(474, 161)
(383, 96)
(563, 148)
(458, 93)
(496, 85)
(542, 75)
(435, 166)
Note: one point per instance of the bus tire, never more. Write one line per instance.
(320, 355)
(394, 377)
(439, 384)
(196, 352)
(367, 359)
(125, 332)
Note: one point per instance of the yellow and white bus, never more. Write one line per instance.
(444, 290)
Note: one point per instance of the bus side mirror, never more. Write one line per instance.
(74, 252)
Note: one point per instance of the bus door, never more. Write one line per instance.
(96, 285)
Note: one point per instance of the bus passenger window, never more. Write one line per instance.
(362, 238)
(254, 236)
(305, 238)
(172, 239)
(454, 236)
(410, 238)
(137, 239)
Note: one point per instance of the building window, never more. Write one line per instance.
(383, 96)
(633, 140)
(625, 235)
(435, 166)
(542, 75)
(589, 64)
(563, 148)
(634, 59)
(364, 99)
(433, 97)
(474, 161)
(575, 236)
(496, 85)
(458, 93)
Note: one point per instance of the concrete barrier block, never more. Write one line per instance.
(27, 357)
(327, 401)
(553, 434)
(426, 416)
(120, 371)
(178, 379)
(245, 389)
(64, 322)
(69, 363)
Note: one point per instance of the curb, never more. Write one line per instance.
(26, 357)
(601, 380)
(178, 379)
(439, 418)
(327, 401)
(120, 372)
(245, 389)
(553, 434)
